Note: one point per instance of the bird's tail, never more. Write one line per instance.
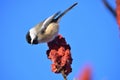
(62, 14)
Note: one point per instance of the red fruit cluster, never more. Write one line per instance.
(118, 11)
(60, 55)
(85, 74)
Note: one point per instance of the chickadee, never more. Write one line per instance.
(46, 30)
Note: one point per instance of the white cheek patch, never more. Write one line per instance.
(33, 34)
(32, 37)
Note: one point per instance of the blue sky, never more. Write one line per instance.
(89, 28)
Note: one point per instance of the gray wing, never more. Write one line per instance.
(47, 22)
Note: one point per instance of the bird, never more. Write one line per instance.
(46, 30)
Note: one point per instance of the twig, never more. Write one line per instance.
(109, 8)
(64, 75)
